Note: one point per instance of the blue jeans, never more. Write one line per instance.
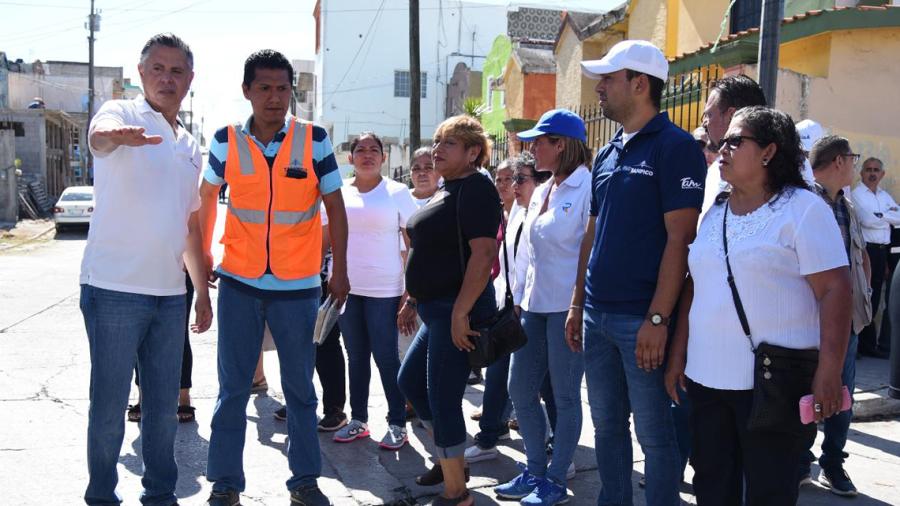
(495, 404)
(242, 318)
(432, 356)
(617, 387)
(547, 351)
(122, 327)
(369, 327)
(837, 426)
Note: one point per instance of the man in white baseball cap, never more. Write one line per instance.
(647, 190)
(809, 132)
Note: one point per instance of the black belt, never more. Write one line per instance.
(877, 245)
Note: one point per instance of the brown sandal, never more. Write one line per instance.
(186, 414)
(443, 501)
(134, 413)
(435, 476)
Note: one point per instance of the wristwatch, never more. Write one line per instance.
(657, 319)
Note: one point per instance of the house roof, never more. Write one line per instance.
(535, 60)
(742, 47)
(586, 24)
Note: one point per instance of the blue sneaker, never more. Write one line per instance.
(547, 493)
(519, 487)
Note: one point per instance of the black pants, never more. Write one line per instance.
(330, 367)
(878, 258)
(187, 358)
(726, 456)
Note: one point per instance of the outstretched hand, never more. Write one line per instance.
(127, 136)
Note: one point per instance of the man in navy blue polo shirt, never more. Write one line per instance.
(647, 190)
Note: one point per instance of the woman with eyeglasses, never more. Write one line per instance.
(424, 178)
(546, 267)
(790, 272)
(377, 212)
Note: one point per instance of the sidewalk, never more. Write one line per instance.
(871, 396)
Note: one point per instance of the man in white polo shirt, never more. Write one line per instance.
(144, 232)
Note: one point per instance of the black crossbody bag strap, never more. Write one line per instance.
(735, 296)
(462, 255)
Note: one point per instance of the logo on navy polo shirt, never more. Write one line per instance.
(642, 169)
(689, 184)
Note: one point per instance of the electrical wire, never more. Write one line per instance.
(355, 56)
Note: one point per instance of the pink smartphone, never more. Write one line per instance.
(807, 411)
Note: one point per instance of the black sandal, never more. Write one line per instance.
(134, 413)
(186, 414)
(443, 501)
(435, 476)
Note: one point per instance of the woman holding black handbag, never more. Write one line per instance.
(452, 249)
(769, 317)
(546, 267)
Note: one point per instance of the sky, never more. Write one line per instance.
(221, 33)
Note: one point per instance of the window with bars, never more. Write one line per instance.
(401, 83)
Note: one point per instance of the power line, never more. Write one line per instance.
(355, 56)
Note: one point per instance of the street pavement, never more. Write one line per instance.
(44, 371)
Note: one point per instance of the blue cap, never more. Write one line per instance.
(560, 122)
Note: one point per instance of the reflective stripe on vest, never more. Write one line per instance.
(295, 217)
(247, 215)
(245, 160)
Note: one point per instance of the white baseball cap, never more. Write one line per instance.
(809, 132)
(638, 55)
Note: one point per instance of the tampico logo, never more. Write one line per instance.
(689, 184)
(642, 168)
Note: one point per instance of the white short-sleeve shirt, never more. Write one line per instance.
(374, 243)
(771, 250)
(144, 197)
(547, 261)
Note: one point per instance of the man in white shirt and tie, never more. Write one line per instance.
(877, 212)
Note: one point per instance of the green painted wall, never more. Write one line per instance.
(493, 117)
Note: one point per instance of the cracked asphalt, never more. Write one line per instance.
(44, 370)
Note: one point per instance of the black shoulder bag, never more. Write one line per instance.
(781, 376)
(503, 334)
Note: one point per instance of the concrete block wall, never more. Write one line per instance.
(9, 205)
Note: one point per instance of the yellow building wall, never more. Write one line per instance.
(648, 20)
(810, 55)
(569, 79)
(698, 22)
(514, 87)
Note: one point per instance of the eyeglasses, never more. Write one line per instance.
(732, 142)
(521, 178)
(852, 156)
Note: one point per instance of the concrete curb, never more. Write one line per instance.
(30, 239)
(875, 403)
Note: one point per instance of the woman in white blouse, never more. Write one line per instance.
(790, 268)
(377, 211)
(546, 266)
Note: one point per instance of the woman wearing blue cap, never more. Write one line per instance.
(545, 274)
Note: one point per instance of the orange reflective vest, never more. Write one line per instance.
(273, 214)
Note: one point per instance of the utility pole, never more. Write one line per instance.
(93, 25)
(769, 40)
(415, 85)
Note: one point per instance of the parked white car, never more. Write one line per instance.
(75, 207)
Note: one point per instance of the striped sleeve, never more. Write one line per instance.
(324, 163)
(214, 172)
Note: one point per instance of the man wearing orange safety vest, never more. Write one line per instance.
(279, 170)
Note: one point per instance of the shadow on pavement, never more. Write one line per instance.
(72, 233)
(190, 453)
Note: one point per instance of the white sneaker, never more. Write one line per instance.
(476, 453)
(394, 439)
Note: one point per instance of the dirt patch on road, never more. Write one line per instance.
(24, 232)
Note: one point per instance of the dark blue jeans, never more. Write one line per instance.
(617, 387)
(369, 327)
(434, 373)
(242, 318)
(837, 426)
(495, 404)
(124, 327)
